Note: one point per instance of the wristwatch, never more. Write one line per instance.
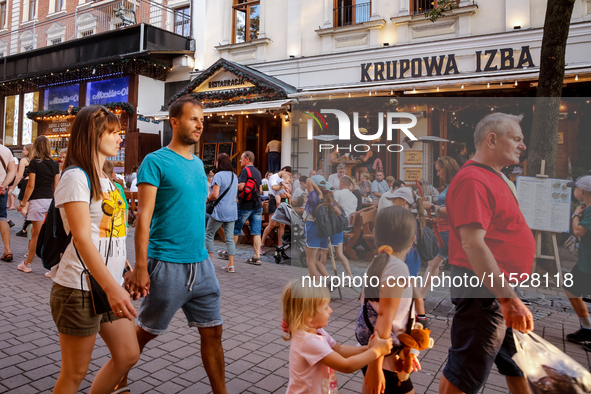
(433, 207)
(577, 216)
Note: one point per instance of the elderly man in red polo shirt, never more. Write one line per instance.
(488, 239)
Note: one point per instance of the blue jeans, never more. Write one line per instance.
(444, 252)
(255, 221)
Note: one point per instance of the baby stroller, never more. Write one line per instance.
(293, 237)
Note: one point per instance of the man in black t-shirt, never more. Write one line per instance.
(249, 204)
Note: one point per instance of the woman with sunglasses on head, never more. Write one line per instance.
(43, 178)
(94, 211)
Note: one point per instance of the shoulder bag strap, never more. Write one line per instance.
(494, 172)
(4, 164)
(217, 201)
(411, 319)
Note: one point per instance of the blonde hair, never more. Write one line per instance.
(300, 303)
(365, 175)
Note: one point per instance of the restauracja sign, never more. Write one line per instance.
(445, 64)
(345, 130)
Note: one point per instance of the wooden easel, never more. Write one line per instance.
(538, 238)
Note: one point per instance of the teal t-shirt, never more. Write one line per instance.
(177, 231)
(584, 262)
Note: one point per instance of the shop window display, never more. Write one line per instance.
(11, 116)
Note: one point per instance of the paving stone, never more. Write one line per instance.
(255, 354)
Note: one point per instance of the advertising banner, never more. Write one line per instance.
(107, 91)
(60, 98)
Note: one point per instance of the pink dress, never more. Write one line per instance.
(307, 375)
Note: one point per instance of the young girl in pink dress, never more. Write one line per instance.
(314, 356)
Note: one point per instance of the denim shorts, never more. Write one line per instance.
(313, 241)
(194, 288)
(444, 252)
(479, 338)
(255, 219)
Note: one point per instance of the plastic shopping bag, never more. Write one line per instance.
(548, 370)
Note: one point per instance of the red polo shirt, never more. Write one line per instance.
(479, 195)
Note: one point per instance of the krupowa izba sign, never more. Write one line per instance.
(490, 60)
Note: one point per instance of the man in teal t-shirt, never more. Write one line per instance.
(581, 273)
(173, 270)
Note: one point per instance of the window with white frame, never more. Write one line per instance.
(27, 41)
(3, 5)
(86, 25)
(32, 9)
(247, 18)
(182, 21)
(56, 34)
(59, 5)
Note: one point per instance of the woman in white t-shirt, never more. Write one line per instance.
(95, 216)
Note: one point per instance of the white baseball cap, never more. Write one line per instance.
(582, 182)
(402, 192)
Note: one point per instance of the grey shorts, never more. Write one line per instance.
(194, 288)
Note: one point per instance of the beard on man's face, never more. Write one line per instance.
(186, 137)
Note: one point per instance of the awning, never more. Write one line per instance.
(157, 116)
(245, 109)
(241, 109)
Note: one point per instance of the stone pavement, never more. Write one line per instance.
(256, 356)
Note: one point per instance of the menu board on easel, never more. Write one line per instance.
(545, 203)
(209, 154)
(226, 147)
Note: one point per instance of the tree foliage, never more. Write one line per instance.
(440, 9)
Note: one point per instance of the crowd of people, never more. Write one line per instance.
(480, 228)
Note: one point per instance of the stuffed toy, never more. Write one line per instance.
(415, 342)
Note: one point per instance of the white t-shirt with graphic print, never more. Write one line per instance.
(72, 187)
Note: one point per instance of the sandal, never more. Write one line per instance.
(254, 261)
(7, 257)
(228, 269)
(223, 254)
(122, 390)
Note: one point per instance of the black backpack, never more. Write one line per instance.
(53, 240)
(427, 244)
(327, 221)
(249, 192)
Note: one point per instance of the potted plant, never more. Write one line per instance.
(265, 190)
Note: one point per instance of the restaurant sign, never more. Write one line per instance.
(223, 80)
(486, 61)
